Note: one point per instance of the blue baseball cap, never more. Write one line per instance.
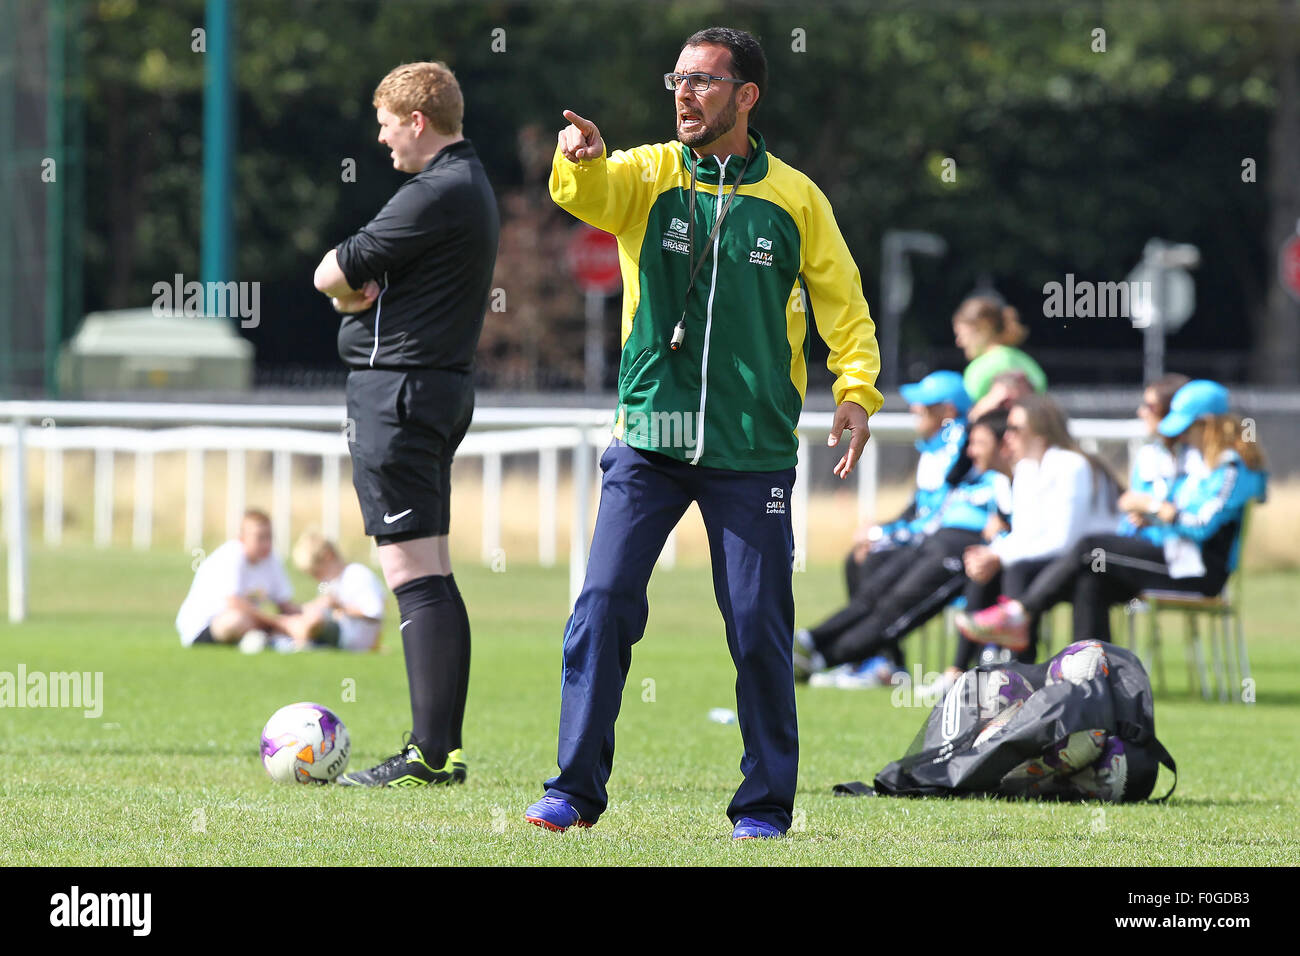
(1196, 398)
(938, 387)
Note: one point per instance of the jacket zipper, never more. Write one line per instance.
(708, 320)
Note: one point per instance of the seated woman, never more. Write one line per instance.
(874, 623)
(1059, 494)
(1187, 540)
(881, 553)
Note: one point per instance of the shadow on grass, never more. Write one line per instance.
(1217, 802)
(1284, 699)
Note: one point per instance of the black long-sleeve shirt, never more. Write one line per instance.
(432, 250)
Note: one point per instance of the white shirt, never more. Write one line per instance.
(226, 573)
(1053, 505)
(358, 588)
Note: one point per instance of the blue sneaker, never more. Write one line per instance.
(875, 672)
(555, 813)
(747, 828)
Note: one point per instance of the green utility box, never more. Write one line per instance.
(133, 349)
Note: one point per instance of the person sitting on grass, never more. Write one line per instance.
(882, 553)
(876, 623)
(1186, 541)
(1059, 494)
(349, 613)
(231, 587)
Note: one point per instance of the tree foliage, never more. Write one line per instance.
(1066, 158)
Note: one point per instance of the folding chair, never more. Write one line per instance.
(1227, 631)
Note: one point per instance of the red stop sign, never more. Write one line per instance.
(593, 260)
(1288, 266)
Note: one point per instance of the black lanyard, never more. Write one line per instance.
(679, 333)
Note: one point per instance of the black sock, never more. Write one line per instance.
(462, 687)
(434, 644)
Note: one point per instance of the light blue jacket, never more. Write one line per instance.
(1209, 501)
(939, 453)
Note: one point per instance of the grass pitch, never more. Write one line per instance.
(169, 773)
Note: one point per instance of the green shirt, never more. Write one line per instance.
(980, 373)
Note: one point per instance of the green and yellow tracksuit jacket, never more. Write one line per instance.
(731, 395)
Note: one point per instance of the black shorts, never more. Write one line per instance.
(404, 428)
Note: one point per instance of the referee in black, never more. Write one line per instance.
(412, 287)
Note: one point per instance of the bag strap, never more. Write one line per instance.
(854, 789)
(1166, 760)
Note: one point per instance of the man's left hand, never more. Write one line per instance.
(852, 416)
(357, 301)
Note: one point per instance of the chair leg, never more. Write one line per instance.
(923, 647)
(1230, 660)
(1157, 657)
(1198, 653)
(1223, 659)
(951, 637)
(1131, 612)
(1240, 630)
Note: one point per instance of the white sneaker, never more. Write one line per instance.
(830, 678)
(253, 642)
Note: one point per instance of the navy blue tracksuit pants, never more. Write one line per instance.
(747, 518)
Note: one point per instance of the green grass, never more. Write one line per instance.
(169, 773)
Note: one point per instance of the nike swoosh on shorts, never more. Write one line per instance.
(389, 519)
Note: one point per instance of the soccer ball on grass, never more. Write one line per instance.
(305, 743)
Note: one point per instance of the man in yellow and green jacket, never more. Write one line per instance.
(727, 255)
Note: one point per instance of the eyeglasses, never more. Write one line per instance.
(698, 82)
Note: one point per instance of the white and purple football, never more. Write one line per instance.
(1075, 752)
(1108, 775)
(1079, 663)
(305, 743)
(1000, 690)
(1001, 695)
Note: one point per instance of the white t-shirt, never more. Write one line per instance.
(223, 574)
(357, 587)
(1053, 505)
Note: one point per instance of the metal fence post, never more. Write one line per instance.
(581, 509)
(17, 523)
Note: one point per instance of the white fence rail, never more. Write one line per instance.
(144, 430)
